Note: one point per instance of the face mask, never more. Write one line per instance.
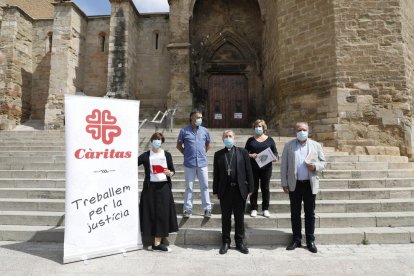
(302, 135)
(258, 130)
(228, 142)
(198, 122)
(156, 144)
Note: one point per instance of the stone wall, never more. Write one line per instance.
(15, 88)
(299, 64)
(96, 65)
(407, 10)
(153, 72)
(270, 58)
(373, 100)
(68, 57)
(42, 30)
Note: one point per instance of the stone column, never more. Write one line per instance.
(121, 58)
(16, 67)
(66, 62)
(180, 96)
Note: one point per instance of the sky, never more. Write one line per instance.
(103, 7)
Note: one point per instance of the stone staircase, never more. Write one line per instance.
(362, 198)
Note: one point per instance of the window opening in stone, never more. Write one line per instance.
(156, 41)
(102, 40)
(50, 40)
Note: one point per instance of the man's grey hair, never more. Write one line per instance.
(301, 123)
(228, 131)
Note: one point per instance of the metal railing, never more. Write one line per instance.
(159, 118)
(142, 123)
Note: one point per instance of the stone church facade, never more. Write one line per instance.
(345, 66)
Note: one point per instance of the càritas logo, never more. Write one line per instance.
(102, 125)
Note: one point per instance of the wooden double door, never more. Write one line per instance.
(228, 101)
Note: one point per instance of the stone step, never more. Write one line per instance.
(24, 164)
(254, 236)
(334, 158)
(275, 194)
(275, 206)
(279, 220)
(58, 150)
(327, 174)
(180, 183)
(45, 193)
(34, 164)
(32, 218)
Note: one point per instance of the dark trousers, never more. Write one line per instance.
(232, 202)
(303, 192)
(261, 177)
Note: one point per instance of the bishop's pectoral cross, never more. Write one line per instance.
(229, 163)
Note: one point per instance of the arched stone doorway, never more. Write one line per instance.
(226, 49)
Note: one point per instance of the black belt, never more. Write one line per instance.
(233, 184)
(303, 181)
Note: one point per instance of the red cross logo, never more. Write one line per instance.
(102, 125)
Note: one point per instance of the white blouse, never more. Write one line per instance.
(158, 163)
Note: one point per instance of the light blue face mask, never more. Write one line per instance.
(228, 143)
(302, 135)
(258, 130)
(156, 144)
(198, 122)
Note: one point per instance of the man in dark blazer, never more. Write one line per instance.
(232, 184)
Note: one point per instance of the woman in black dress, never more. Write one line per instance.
(158, 217)
(254, 145)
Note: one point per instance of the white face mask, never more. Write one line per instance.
(228, 142)
(198, 122)
(302, 135)
(156, 144)
(258, 130)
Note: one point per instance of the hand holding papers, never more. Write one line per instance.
(265, 157)
(311, 160)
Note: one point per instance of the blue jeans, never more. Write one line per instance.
(202, 175)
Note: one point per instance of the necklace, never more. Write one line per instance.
(229, 163)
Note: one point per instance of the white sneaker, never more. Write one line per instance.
(253, 213)
(266, 213)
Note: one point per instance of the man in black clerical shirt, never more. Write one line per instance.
(232, 184)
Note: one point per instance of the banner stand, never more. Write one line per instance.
(86, 258)
(101, 197)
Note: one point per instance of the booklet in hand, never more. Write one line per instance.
(265, 157)
(312, 158)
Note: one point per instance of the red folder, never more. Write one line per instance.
(158, 169)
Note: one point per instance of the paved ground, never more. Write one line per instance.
(29, 258)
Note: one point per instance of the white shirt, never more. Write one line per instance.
(301, 152)
(158, 162)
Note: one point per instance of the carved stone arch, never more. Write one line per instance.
(228, 36)
(260, 2)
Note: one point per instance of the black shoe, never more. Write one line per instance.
(312, 247)
(293, 245)
(242, 248)
(160, 248)
(224, 247)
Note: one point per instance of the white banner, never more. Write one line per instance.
(101, 210)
